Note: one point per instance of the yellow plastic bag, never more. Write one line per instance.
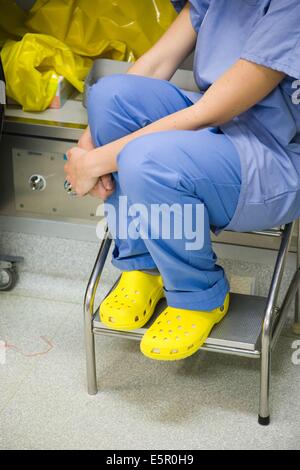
(32, 67)
(116, 29)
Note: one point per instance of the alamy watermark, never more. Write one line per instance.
(296, 353)
(154, 221)
(296, 94)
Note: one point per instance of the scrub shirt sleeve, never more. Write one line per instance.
(198, 10)
(275, 41)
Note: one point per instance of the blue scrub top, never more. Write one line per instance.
(267, 136)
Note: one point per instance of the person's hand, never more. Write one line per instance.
(78, 172)
(105, 186)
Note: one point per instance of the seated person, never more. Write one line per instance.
(231, 154)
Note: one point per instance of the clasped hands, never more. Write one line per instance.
(79, 171)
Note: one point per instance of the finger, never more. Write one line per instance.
(70, 151)
(100, 192)
(107, 182)
(94, 193)
(79, 191)
(107, 195)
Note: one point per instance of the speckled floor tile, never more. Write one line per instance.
(41, 286)
(60, 257)
(208, 401)
(28, 328)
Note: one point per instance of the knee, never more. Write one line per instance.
(135, 167)
(109, 92)
(146, 166)
(107, 99)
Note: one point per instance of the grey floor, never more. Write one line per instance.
(205, 402)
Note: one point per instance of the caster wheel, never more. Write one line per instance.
(8, 279)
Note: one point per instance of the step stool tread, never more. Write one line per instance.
(240, 329)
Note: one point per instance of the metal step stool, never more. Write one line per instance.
(253, 324)
(251, 328)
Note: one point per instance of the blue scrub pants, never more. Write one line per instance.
(173, 167)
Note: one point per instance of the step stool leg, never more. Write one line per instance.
(264, 407)
(89, 313)
(91, 363)
(267, 329)
(90, 338)
(296, 326)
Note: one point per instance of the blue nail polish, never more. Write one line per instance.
(65, 158)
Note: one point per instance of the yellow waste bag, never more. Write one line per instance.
(12, 21)
(116, 29)
(32, 67)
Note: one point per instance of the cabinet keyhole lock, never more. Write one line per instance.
(37, 183)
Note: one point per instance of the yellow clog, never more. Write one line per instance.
(132, 302)
(178, 333)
